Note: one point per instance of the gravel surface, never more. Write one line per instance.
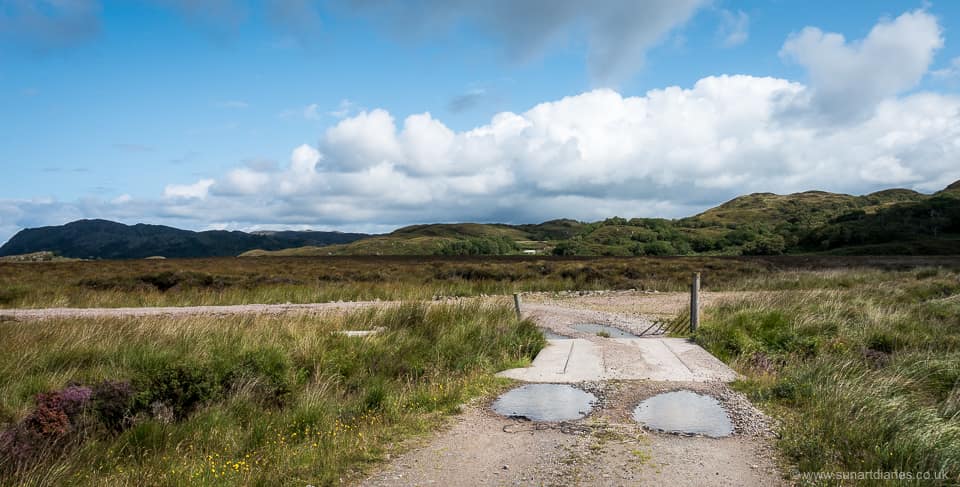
(605, 448)
(49, 313)
(638, 304)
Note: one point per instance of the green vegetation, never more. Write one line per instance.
(858, 357)
(257, 400)
(437, 239)
(890, 222)
(863, 367)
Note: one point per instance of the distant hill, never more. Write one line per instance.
(952, 188)
(892, 221)
(434, 239)
(449, 239)
(102, 239)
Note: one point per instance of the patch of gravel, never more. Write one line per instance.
(52, 313)
(558, 319)
(633, 303)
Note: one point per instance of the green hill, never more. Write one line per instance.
(462, 230)
(892, 221)
(810, 207)
(934, 218)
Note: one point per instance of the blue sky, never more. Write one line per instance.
(249, 114)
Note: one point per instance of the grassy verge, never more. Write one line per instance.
(865, 377)
(258, 400)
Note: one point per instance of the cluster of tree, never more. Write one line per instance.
(937, 217)
(656, 236)
(479, 246)
(934, 218)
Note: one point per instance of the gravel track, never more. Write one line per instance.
(51, 313)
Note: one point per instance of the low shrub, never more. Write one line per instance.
(112, 403)
(45, 430)
(182, 388)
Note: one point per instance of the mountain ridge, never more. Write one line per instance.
(105, 239)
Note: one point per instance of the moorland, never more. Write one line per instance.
(857, 358)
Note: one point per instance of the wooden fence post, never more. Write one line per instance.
(695, 302)
(516, 304)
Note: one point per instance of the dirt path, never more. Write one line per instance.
(605, 448)
(633, 304)
(627, 304)
(48, 313)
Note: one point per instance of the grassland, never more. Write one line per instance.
(859, 358)
(260, 400)
(862, 367)
(221, 281)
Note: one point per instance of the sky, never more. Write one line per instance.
(368, 115)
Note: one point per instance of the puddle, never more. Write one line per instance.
(545, 402)
(551, 335)
(684, 412)
(593, 329)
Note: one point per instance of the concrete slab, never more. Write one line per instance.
(571, 360)
(659, 359)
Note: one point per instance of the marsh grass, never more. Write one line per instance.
(254, 400)
(865, 377)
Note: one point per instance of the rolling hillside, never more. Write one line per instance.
(893, 221)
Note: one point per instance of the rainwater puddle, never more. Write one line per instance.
(595, 328)
(684, 412)
(545, 402)
(551, 335)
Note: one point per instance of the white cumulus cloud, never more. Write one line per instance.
(849, 78)
(197, 190)
(669, 152)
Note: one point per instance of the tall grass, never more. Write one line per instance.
(865, 378)
(255, 400)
